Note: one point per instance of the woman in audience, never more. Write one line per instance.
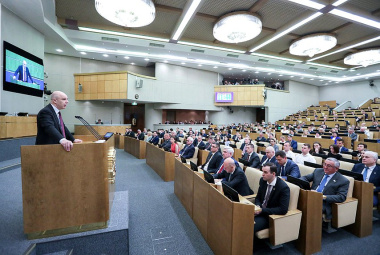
(317, 149)
(334, 152)
(226, 141)
(305, 133)
(174, 146)
(282, 140)
(335, 137)
(148, 136)
(272, 143)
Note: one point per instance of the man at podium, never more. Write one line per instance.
(50, 126)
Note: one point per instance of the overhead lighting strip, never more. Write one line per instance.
(308, 3)
(94, 30)
(286, 31)
(328, 66)
(356, 18)
(209, 47)
(347, 48)
(190, 12)
(275, 57)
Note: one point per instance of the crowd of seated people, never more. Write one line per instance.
(248, 81)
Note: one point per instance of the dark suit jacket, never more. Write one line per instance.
(238, 181)
(215, 162)
(166, 144)
(201, 145)
(254, 160)
(272, 160)
(374, 178)
(132, 134)
(294, 144)
(261, 139)
(48, 127)
(278, 202)
(141, 136)
(207, 146)
(154, 140)
(335, 190)
(187, 151)
(291, 168)
(343, 149)
(19, 74)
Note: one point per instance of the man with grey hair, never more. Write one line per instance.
(332, 184)
(370, 172)
(50, 126)
(189, 149)
(351, 134)
(227, 152)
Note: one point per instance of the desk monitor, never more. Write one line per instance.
(356, 176)
(349, 160)
(3, 113)
(208, 177)
(183, 160)
(229, 192)
(233, 146)
(260, 144)
(370, 140)
(22, 114)
(166, 149)
(307, 163)
(108, 135)
(300, 183)
(263, 153)
(193, 166)
(297, 151)
(243, 161)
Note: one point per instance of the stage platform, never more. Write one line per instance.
(111, 240)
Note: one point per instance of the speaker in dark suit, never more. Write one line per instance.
(273, 197)
(50, 126)
(330, 182)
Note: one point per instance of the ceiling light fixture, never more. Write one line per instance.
(123, 13)
(105, 55)
(237, 27)
(186, 16)
(59, 50)
(363, 58)
(312, 44)
(356, 18)
(286, 31)
(126, 57)
(347, 48)
(87, 29)
(308, 3)
(83, 53)
(339, 2)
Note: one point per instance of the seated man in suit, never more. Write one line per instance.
(370, 172)
(293, 143)
(261, 138)
(286, 167)
(234, 177)
(188, 151)
(332, 184)
(140, 135)
(228, 152)
(251, 156)
(340, 144)
(209, 143)
(246, 141)
(200, 144)
(214, 159)
(166, 144)
(269, 156)
(273, 197)
(288, 152)
(154, 140)
(351, 134)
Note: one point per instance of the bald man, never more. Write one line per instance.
(50, 126)
(22, 73)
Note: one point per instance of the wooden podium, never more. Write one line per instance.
(65, 192)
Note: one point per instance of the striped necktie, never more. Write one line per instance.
(62, 125)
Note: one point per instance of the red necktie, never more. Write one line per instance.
(220, 169)
(62, 126)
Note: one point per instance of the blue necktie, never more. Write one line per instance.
(365, 173)
(323, 183)
(282, 171)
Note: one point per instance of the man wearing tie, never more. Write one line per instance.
(234, 177)
(50, 126)
(332, 184)
(370, 172)
(214, 159)
(269, 156)
(251, 156)
(273, 197)
(228, 152)
(188, 151)
(286, 167)
(22, 73)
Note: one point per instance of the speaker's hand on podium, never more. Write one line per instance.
(78, 141)
(67, 144)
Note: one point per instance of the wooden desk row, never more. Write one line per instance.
(14, 126)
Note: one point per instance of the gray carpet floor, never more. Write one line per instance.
(158, 223)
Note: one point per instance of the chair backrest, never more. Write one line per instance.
(279, 146)
(318, 160)
(294, 194)
(347, 156)
(346, 165)
(195, 156)
(260, 156)
(299, 146)
(238, 144)
(305, 170)
(180, 146)
(253, 176)
(351, 187)
(160, 140)
(181, 139)
(241, 165)
(222, 147)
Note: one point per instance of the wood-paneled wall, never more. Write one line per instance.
(247, 95)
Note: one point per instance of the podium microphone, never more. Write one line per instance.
(90, 128)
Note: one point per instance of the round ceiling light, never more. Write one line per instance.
(237, 27)
(312, 44)
(124, 13)
(363, 58)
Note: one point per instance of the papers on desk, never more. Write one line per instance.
(100, 141)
